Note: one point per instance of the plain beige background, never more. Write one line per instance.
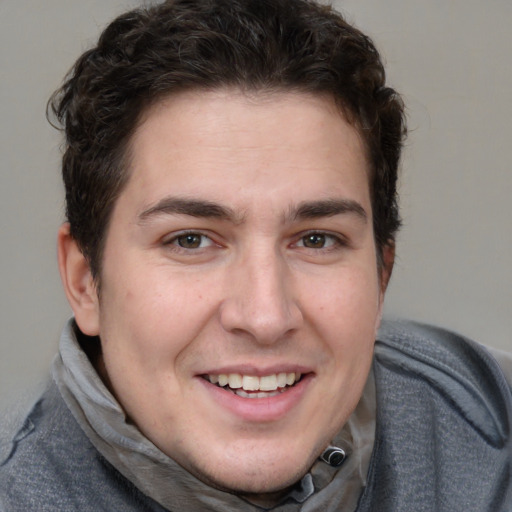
(450, 58)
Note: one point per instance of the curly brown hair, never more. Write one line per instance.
(254, 45)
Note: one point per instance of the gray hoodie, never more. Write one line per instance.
(436, 436)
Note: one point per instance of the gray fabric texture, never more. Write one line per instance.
(444, 416)
(442, 441)
(122, 447)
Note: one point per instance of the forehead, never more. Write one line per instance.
(190, 142)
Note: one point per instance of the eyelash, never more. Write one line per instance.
(336, 241)
(173, 241)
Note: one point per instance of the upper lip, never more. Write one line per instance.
(249, 369)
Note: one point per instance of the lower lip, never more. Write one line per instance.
(259, 409)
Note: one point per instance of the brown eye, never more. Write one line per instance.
(190, 241)
(314, 241)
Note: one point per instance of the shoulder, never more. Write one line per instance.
(47, 463)
(451, 369)
(37, 456)
(418, 345)
(444, 416)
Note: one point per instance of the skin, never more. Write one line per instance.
(262, 283)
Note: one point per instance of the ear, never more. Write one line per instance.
(385, 271)
(388, 260)
(78, 283)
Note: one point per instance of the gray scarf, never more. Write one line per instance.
(103, 420)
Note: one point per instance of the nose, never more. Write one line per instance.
(260, 302)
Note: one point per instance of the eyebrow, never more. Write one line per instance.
(207, 209)
(192, 207)
(328, 208)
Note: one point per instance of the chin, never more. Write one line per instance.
(256, 475)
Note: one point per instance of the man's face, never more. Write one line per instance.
(241, 250)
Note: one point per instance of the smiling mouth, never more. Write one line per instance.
(251, 386)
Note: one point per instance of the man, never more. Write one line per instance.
(230, 172)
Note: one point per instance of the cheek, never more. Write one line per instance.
(347, 298)
(154, 315)
(344, 313)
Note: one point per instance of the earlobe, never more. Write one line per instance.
(78, 282)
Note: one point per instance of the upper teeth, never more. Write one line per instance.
(253, 383)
